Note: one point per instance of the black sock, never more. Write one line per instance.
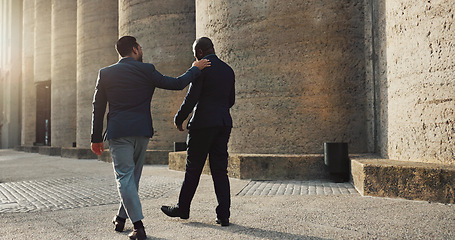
(120, 219)
(138, 224)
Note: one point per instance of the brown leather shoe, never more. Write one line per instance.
(138, 234)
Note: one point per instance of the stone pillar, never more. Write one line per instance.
(42, 55)
(420, 74)
(300, 72)
(10, 72)
(2, 60)
(378, 61)
(97, 33)
(42, 70)
(28, 84)
(63, 73)
(166, 32)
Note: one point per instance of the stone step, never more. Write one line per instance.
(78, 153)
(29, 149)
(51, 151)
(264, 166)
(374, 176)
(153, 157)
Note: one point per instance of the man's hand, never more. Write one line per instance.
(97, 148)
(201, 64)
(179, 127)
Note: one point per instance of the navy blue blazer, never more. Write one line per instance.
(128, 87)
(211, 95)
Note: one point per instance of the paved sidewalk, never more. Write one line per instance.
(43, 197)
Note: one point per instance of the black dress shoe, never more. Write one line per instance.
(138, 234)
(174, 211)
(119, 224)
(223, 221)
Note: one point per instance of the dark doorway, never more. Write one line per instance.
(43, 113)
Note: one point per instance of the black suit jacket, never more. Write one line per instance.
(211, 95)
(128, 87)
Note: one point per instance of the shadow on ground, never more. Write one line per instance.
(255, 232)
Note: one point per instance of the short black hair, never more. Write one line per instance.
(125, 44)
(203, 43)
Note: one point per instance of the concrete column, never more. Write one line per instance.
(420, 77)
(10, 72)
(3, 31)
(42, 70)
(166, 31)
(300, 72)
(42, 61)
(97, 33)
(63, 73)
(3, 72)
(28, 84)
(378, 62)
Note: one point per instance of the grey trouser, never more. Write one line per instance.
(128, 157)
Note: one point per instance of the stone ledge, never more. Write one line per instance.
(153, 157)
(19, 148)
(30, 149)
(264, 166)
(374, 176)
(50, 151)
(78, 153)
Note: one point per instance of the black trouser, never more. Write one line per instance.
(211, 141)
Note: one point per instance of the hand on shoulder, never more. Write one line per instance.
(201, 64)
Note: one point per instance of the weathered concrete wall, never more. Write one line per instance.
(166, 31)
(42, 55)
(420, 72)
(28, 135)
(63, 73)
(10, 72)
(300, 72)
(97, 32)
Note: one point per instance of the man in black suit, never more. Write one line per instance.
(128, 87)
(211, 95)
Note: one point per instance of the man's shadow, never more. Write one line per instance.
(255, 232)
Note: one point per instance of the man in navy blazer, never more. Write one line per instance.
(128, 87)
(211, 96)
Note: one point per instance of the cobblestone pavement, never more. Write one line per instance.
(67, 193)
(313, 187)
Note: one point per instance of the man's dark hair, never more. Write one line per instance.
(125, 44)
(203, 43)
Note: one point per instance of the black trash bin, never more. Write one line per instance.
(336, 159)
(179, 146)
